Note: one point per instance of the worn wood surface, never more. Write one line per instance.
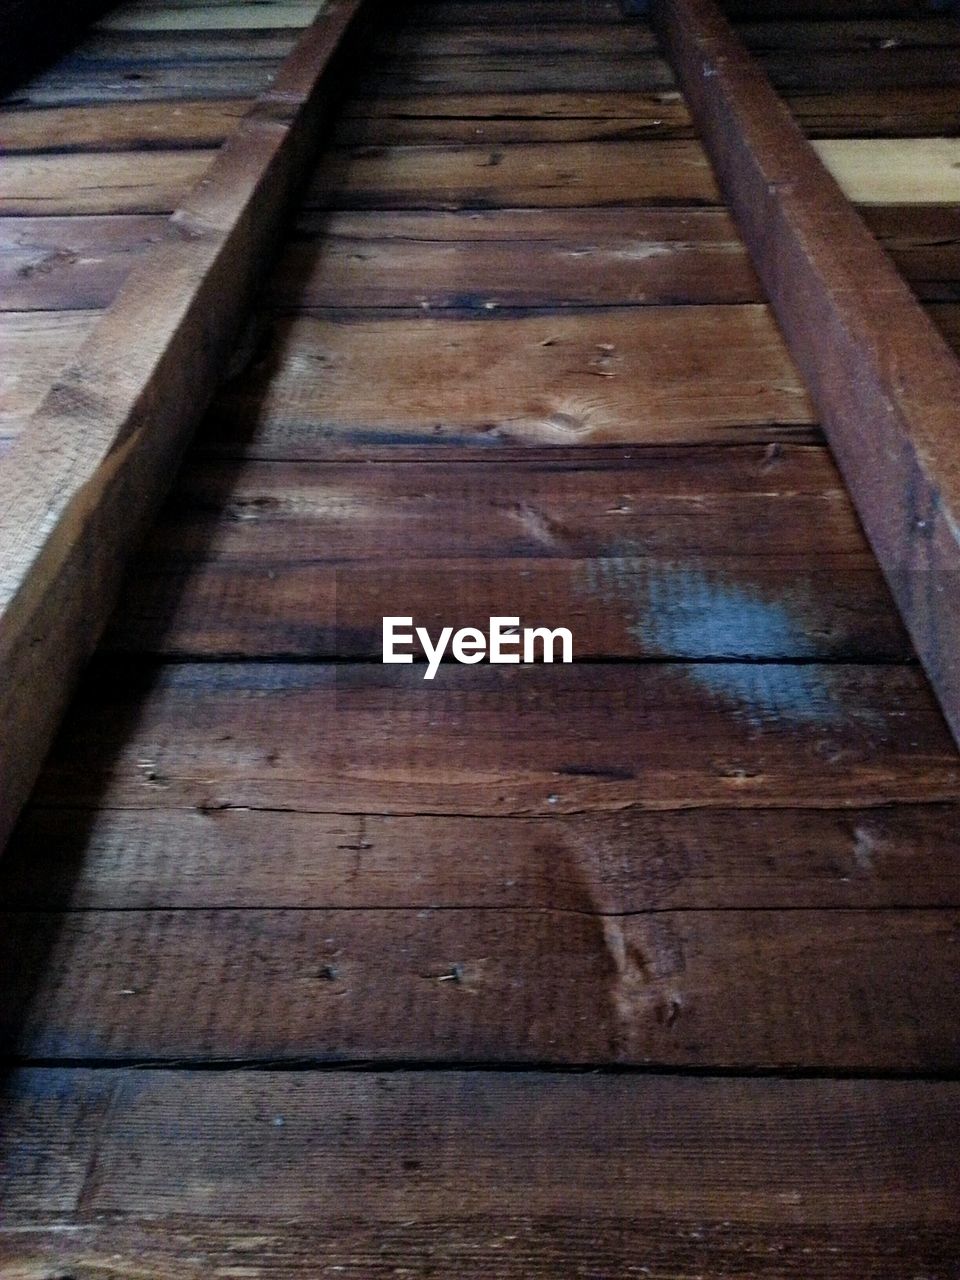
(559, 117)
(79, 84)
(121, 413)
(72, 263)
(669, 375)
(868, 351)
(36, 347)
(733, 554)
(726, 844)
(106, 183)
(542, 739)
(734, 989)
(519, 258)
(632, 859)
(128, 126)
(161, 15)
(513, 1174)
(542, 176)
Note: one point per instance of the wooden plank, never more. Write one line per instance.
(924, 242)
(885, 383)
(731, 554)
(37, 347)
(108, 183)
(947, 320)
(653, 376)
(517, 258)
(819, 10)
(525, 258)
(871, 69)
(191, 1173)
(512, 117)
(459, 13)
(517, 73)
(218, 609)
(543, 175)
(263, 14)
(653, 171)
(543, 117)
(67, 263)
(631, 860)
(70, 511)
(510, 40)
(840, 990)
(503, 740)
(894, 171)
(78, 84)
(121, 126)
(111, 50)
(883, 34)
(891, 112)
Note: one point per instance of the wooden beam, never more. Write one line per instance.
(885, 383)
(93, 462)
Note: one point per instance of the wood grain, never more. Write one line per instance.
(868, 352)
(80, 84)
(895, 112)
(731, 553)
(502, 740)
(127, 126)
(57, 263)
(655, 376)
(732, 989)
(146, 16)
(524, 258)
(513, 1174)
(543, 175)
(627, 861)
(882, 34)
(519, 72)
(924, 241)
(584, 117)
(512, 117)
(124, 408)
(108, 183)
(37, 347)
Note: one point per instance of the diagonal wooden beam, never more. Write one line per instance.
(884, 382)
(83, 480)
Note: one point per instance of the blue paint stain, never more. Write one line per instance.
(679, 611)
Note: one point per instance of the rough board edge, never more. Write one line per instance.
(82, 481)
(885, 383)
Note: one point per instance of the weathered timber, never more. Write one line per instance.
(644, 375)
(512, 117)
(517, 1175)
(625, 861)
(726, 553)
(514, 258)
(886, 385)
(107, 183)
(161, 15)
(536, 739)
(72, 263)
(540, 175)
(82, 480)
(126, 126)
(737, 990)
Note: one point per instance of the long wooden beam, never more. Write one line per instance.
(93, 463)
(884, 382)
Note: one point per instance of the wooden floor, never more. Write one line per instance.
(645, 966)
